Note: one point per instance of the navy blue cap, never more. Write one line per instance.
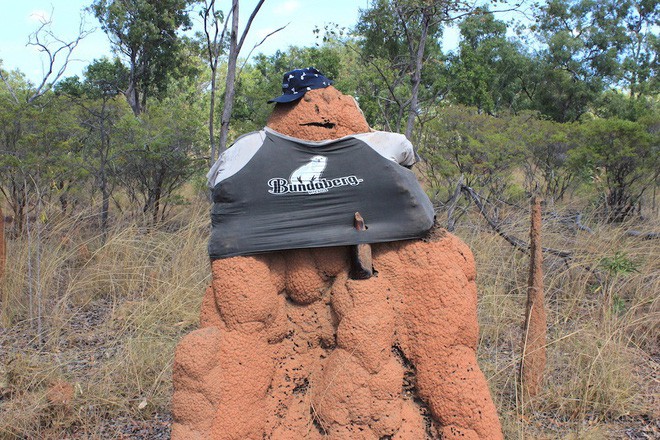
(300, 81)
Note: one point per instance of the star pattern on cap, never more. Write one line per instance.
(297, 82)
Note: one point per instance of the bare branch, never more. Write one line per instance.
(247, 26)
(514, 241)
(259, 44)
(9, 87)
(43, 39)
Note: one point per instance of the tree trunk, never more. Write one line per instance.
(214, 69)
(3, 255)
(63, 197)
(230, 88)
(234, 50)
(103, 176)
(4, 295)
(154, 216)
(212, 26)
(19, 194)
(158, 191)
(132, 93)
(533, 360)
(417, 76)
(105, 207)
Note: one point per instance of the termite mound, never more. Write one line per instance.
(291, 348)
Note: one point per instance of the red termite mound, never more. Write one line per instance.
(3, 256)
(319, 115)
(532, 365)
(292, 348)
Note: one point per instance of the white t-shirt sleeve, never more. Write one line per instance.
(393, 146)
(235, 157)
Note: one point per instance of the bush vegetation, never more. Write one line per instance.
(105, 317)
(102, 183)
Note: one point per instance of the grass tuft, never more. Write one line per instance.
(89, 327)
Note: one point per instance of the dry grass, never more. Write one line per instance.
(110, 317)
(105, 318)
(603, 325)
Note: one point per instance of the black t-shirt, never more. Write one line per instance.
(274, 192)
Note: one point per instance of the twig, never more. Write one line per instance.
(259, 44)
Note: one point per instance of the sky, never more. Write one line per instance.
(19, 19)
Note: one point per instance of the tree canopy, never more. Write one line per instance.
(566, 98)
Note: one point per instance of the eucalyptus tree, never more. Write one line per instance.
(489, 71)
(27, 161)
(621, 158)
(215, 38)
(593, 45)
(401, 40)
(161, 150)
(548, 145)
(223, 41)
(398, 39)
(99, 111)
(482, 149)
(35, 141)
(145, 32)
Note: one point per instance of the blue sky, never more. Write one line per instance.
(21, 18)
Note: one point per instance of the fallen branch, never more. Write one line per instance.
(578, 223)
(572, 221)
(643, 235)
(514, 241)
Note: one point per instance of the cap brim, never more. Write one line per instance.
(287, 98)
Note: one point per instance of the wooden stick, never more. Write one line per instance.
(361, 262)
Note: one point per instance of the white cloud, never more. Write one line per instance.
(287, 8)
(261, 33)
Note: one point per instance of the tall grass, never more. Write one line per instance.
(603, 326)
(112, 314)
